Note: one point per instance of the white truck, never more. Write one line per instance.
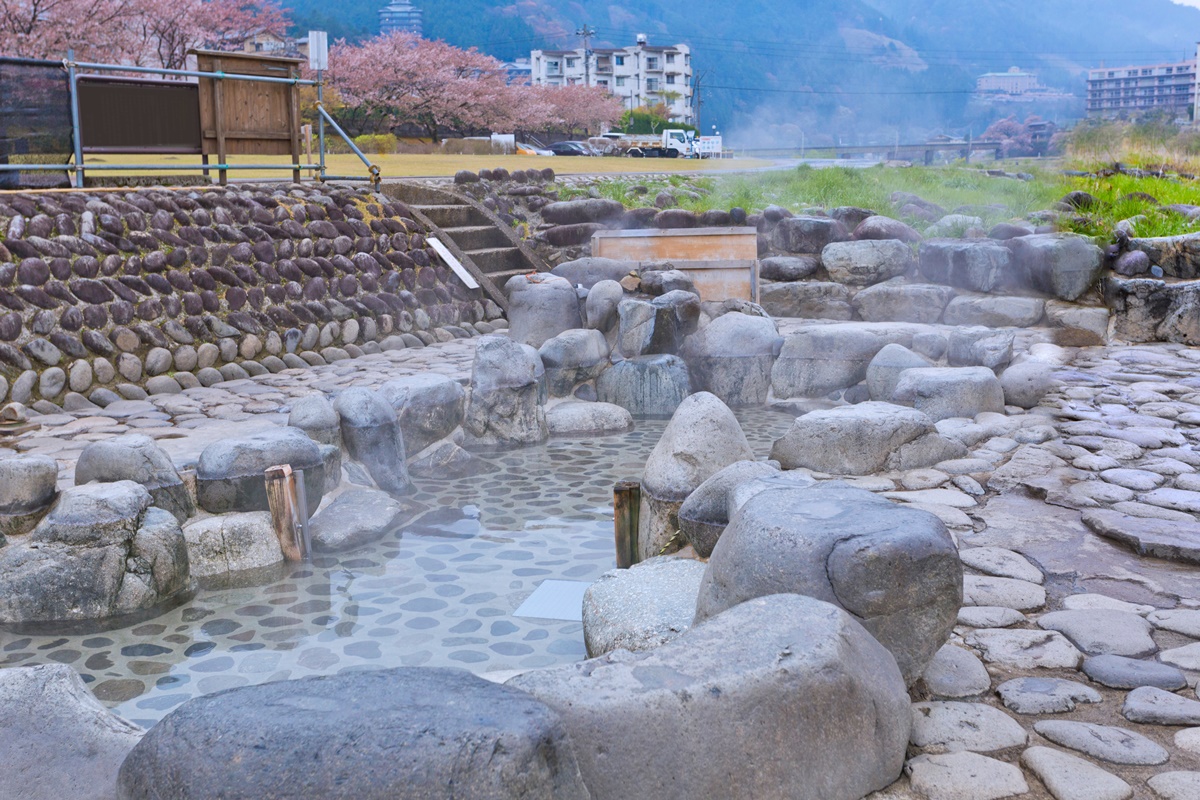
(671, 143)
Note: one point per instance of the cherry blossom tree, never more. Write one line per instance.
(48, 28)
(427, 83)
(579, 109)
(137, 32)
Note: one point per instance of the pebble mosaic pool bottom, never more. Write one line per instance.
(441, 593)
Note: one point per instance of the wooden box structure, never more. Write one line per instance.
(722, 262)
(240, 117)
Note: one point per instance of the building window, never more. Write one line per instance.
(671, 78)
(651, 84)
(620, 81)
(670, 58)
(620, 61)
(652, 63)
(572, 63)
(552, 66)
(603, 83)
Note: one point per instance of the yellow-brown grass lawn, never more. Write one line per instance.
(437, 165)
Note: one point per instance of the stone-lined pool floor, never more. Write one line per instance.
(440, 592)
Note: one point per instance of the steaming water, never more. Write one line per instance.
(441, 591)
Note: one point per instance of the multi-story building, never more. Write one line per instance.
(641, 75)
(1015, 81)
(400, 15)
(1136, 90)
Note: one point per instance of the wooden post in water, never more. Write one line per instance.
(284, 505)
(627, 501)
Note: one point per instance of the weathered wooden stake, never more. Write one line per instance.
(282, 500)
(627, 500)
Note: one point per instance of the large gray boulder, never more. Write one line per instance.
(944, 392)
(573, 357)
(373, 437)
(355, 518)
(656, 326)
(702, 437)
(995, 312)
(56, 740)
(863, 439)
(229, 473)
(883, 373)
(868, 261)
(807, 234)
(1063, 265)
(821, 359)
(981, 265)
(583, 210)
(102, 551)
(428, 407)
(979, 346)
(763, 700)
(227, 544)
(600, 307)
(1025, 384)
(540, 307)
(135, 457)
(589, 271)
(582, 418)
(880, 227)
(806, 300)
(642, 607)
(646, 386)
(732, 357)
(705, 513)
(893, 567)
(314, 415)
(788, 268)
(28, 486)
(896, 301)
(504, 406)
(401, 734)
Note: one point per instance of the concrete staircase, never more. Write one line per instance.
(479, 239)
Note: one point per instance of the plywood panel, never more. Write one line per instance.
(251, 118)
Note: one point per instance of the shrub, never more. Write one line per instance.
(376, 143)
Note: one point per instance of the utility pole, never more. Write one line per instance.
(586, 33)
(696, 101)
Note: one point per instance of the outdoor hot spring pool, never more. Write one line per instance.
(446, 589)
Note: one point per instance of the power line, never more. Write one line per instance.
(836, 91)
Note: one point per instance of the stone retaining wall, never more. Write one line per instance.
(104, 293)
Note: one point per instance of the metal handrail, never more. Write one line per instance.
(187, 73)
(371, 168)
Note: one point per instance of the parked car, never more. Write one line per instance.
(529, 150)
(571, 149)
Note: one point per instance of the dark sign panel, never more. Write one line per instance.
(127, 115)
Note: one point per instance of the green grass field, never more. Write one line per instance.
(970, 189)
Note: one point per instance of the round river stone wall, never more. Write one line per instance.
(105, 295)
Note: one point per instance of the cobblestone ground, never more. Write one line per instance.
(1087, 619)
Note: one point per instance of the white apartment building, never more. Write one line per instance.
(641, 75)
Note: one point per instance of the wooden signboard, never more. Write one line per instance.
(722, 262)
(246, 117)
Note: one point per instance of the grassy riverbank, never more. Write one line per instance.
(967, 190)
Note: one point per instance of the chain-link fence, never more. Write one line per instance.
(35, 121)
